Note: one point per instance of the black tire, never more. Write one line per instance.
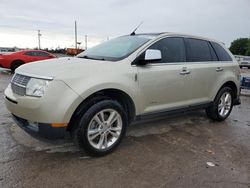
(240, 67)
(15, 64)
(80, 132)
(248, 67)
(213, 112)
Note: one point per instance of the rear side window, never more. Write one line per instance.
(42, 54)
(199, 50)
(221, 52)
(172, 50)
(30, 54)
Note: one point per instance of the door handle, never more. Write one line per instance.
(184, 72)
(219, 69)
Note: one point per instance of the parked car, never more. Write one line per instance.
(97, 94)
(16, 59)
(244, 61)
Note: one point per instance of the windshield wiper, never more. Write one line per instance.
(88, 57)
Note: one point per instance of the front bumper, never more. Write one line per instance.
(40, 130)
(56, 106)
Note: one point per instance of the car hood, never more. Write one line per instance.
(65, 67)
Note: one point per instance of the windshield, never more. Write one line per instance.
(116, 49)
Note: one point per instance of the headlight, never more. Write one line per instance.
(36, 87)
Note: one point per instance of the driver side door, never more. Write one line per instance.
(162, 83)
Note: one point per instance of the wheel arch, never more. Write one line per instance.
(233, 86)
(21, 62)
(17, 60)
(110, 93)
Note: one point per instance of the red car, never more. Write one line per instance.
(14, 60)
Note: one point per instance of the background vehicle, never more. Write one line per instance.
(244, 61)
(15, 59)
(124, 79)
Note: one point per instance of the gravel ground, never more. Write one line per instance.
(171, 152)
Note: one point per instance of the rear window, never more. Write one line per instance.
(221, 52)
(199, 50)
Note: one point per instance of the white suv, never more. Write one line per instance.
(97, 94)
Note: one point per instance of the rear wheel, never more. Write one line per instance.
(101, 128)
(222, 105)
(15, 64)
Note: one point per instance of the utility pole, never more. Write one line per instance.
(39, 42)
(75, 35)
(86, 42)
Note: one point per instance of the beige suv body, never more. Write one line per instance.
(128, 78)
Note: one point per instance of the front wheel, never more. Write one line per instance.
(222, 105)
(15, 64)
(101, 129)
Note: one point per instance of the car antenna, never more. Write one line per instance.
(133, 33)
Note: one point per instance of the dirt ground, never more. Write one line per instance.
(171, 152)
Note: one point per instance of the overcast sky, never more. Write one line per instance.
(224, 20)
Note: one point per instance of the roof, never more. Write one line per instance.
(178, 34)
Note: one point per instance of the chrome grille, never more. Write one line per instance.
(19, 83)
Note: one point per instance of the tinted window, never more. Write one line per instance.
(221, 52)
(30, 54)
(212, 52)
(172, 50)
(42, 54)
(198, 50)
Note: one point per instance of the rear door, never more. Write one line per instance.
(202, 62)
(226, 69)
(162, 84)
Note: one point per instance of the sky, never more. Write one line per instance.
(223, 20)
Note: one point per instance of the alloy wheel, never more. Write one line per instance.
(225, 104)
(104, 129)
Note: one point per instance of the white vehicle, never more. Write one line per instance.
(244, 61)
(97, 94)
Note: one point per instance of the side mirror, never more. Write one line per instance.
(152, 55)
(148, 56)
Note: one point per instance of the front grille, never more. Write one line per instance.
(19, 83)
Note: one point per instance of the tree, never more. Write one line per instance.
(240, 46)
(248, 50)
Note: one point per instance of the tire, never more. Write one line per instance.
(93, 121)
(15, 64)
(248, 67)
(215, 111)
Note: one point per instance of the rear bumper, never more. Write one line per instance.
(40, 130)
(244, 65)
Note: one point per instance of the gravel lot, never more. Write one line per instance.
(171, 152)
